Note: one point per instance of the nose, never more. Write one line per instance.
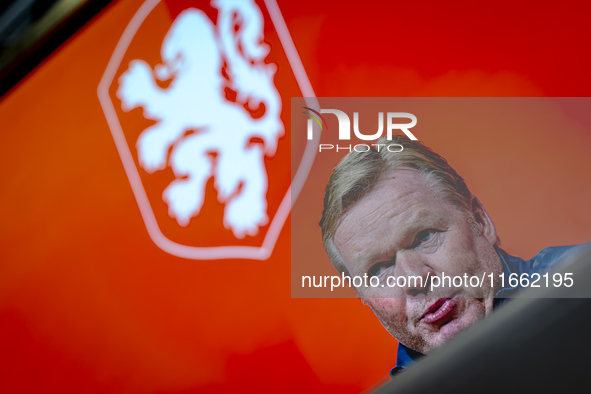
(417, 272)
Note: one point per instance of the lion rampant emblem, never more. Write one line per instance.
(198, 133)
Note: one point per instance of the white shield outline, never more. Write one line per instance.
(218, 252)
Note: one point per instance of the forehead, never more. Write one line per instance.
(400, 202)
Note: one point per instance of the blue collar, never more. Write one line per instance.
(510, 265)
(405, 357)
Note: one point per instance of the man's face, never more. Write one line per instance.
(403, 228)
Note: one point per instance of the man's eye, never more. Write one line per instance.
(425, 235)
(377, 269)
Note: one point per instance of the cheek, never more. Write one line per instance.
(390, 311)
(460, 253)
(473, 311)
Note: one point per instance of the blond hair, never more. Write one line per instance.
(359, 172)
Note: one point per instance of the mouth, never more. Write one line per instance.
(439, 311)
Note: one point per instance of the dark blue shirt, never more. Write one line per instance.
(541, 262)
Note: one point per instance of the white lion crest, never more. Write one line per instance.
(207, 135)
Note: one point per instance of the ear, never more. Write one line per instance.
(484, 221)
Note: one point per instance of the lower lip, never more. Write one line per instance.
(444, 312)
